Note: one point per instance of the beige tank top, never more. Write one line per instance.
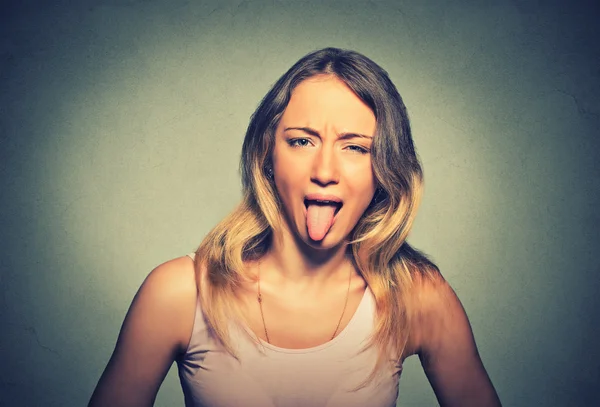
(269, 376)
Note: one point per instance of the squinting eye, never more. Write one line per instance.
(298, 142)
(359, 149)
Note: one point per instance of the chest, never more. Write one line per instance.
(265, 375)
(301, 322)
(292, 380)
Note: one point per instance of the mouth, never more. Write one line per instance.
(321, 213)
(324, 202)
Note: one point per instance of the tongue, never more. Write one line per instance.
(319, 219)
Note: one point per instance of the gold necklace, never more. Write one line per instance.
(259, 299)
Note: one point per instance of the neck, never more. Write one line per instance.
(294, 261)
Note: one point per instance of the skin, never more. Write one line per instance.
(322, 145)
(301, 279)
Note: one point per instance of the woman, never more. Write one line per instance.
(307, 294)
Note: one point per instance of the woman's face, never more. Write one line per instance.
(322, 161)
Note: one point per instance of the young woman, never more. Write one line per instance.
(307, 294)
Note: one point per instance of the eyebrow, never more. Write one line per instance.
(342, 136)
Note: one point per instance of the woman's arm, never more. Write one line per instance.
(448, 352)
(157, 327)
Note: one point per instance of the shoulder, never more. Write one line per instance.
(168, 298)
(436, 313)
(172, 278)
(433, 295)
(446, 347)
(157, 327)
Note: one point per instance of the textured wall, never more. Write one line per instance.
(120, 130)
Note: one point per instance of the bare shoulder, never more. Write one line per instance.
(436, 309)
(173, 278)
(434, 297)
(169, 293)
(446, 347)
(157, 328)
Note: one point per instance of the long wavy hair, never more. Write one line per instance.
(389, 265)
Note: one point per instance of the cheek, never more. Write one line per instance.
(289, 174)
(366, 199)
(363, 184)
(287, 183)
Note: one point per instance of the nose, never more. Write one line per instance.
(325, 169)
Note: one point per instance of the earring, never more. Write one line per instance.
(379, 194)
(269, 172)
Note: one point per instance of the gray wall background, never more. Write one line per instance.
(121, 125)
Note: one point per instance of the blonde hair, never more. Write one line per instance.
(389, 265)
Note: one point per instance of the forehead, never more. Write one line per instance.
(325, 102)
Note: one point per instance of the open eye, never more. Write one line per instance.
(299, 142)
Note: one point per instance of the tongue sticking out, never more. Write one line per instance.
(319, 219)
